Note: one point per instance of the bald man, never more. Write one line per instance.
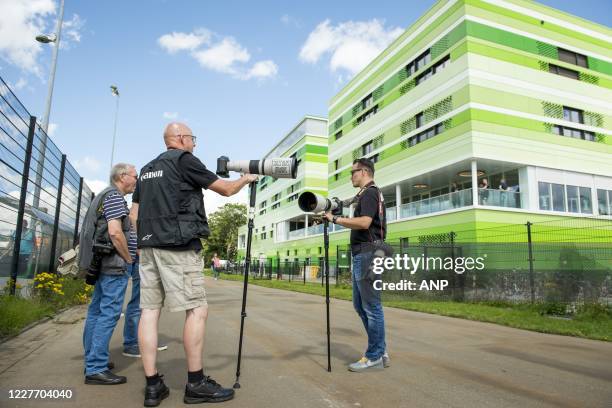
(168, 209)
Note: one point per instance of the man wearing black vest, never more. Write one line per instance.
(168, 209)
(367, 225)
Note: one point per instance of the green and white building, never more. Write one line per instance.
(474, 89)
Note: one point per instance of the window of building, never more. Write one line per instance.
(574, 133)
(573, 58)
(426, 134)
(569, 73)
(292, 197)
(275, 206)
(604, 201)
(338, 135)
(367, 102)
(263, 204)
(552, 196)
(367, 148)
(419, 120)
(336, 166)
(367, 115)
(440, 65)
(410, 69)
(423, 76)
(422, 60)
(263, 235)
(374, 158)
(573, 115)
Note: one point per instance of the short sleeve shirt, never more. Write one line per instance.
(115, 208)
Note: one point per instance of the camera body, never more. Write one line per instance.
(100, 250)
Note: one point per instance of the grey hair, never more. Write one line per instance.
(118, 170)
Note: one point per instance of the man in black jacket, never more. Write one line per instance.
(168, 207)
(367, 225)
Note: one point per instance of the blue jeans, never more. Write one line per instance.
(367, 303)
(132, 311)
(102, 316)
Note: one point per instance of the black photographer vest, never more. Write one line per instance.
(170, 210)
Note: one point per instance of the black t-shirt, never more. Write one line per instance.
(195, 173)
(368, 205)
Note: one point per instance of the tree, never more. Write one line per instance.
(224, 224)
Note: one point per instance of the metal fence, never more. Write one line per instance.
(567, 260)
(42, 197)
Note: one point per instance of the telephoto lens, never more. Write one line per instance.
(276, 167)
(311, 202)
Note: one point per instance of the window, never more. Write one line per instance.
(338, 135)
(552, 196)
(263, 204)
(275, 206)
(292, 197)
(367, 102)
(439, 66)
(570, 73)
(573, 58)
(604, 201)
(367, 115)
(426, 134)
(574, 133)
(276, 197)
(263, 235)
(558, 196)
(422, 60)
(419, 120)
(367, 148)
(585, 200)
(374, 158)
(336, 165)
(544, 192)
(572, 199)
(423, 76)
(573, 115)
(410, 69)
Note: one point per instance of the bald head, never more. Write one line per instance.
(177, 136)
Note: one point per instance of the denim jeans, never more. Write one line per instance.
(132, 311)
(102, 316)
(367, 303)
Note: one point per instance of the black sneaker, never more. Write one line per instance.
(154, 394)
(207, 390)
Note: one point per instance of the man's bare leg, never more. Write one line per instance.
(193, 336)
(147, 339)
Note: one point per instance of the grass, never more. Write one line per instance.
(591, 322)
(18, 312)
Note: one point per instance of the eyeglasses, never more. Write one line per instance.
(127, 174)
(193, 138)
(355, 171)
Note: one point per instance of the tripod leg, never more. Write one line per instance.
(247, 266)
(326, 245)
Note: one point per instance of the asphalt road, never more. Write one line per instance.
(436, 361)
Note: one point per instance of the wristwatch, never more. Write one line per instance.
(335, 218)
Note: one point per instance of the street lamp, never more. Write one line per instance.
(115, 92)
(46, 39)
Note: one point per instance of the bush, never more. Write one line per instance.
(594, 311)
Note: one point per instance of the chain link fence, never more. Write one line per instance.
(566, 260)
(42, 197)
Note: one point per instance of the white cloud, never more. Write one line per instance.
(20, 22)
(21, 83)
(170, 115)
(351, 45)
(184, 41)
(222, 56)
(214, 201)
(287, 20)
(88, 164)
(71, 31)
(218, 53)
(262, 69)
(96, 185)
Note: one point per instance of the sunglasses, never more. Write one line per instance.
(355, 171)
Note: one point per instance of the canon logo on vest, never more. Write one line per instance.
(152, 174)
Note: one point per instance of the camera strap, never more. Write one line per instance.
(383, 231)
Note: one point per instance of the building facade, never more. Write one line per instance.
(483, 113)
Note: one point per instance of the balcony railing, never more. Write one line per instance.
(458, 199)
(499, 198)
(443, 202)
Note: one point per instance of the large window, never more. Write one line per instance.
(573, 115)
(367, 148)
(552, 196)
(558, 197)
(367, 102)
(422, 60)
(573, 133)
(604, 201)
(570, 73)
(573, 58)
(426, 134)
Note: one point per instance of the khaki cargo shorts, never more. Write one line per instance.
(173, 278)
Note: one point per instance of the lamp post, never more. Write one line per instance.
(46, 39)
(115, 92)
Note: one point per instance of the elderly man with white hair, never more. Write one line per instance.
(106, 225)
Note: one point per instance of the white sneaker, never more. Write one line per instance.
(366, 364)
(386, 360)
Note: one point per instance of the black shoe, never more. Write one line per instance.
(154, 394)
(206, 390)
(111, 365)
(105, 378)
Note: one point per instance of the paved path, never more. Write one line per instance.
(436, 361)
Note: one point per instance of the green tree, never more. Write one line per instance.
(224, 224)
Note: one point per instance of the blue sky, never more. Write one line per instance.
(240, 73)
